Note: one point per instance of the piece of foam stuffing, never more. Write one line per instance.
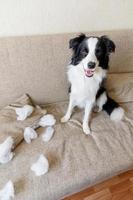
(47, 120)
(7, 193)
(41, 166)
(24, 112)
(6, 153)
(29, 134)
(48, 134)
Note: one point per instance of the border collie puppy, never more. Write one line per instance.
(86, 74)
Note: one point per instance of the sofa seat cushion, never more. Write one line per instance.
(76, 160)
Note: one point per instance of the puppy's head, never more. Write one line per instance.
(91, 52)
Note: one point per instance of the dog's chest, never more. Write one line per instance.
(83, 88)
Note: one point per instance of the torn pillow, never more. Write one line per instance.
(9, 126)
(42, 110)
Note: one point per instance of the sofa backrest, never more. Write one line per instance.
(37, 64)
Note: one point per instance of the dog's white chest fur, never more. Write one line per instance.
(84, 88)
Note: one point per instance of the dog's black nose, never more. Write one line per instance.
(91, 65)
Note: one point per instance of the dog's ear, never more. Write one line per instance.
(110, 45)
(73, 43)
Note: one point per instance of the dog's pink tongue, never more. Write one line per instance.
(89, 72)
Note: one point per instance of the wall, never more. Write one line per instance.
(26, 17)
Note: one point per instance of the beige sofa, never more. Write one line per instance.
(37, 65)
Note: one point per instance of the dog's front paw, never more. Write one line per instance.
(64, 119)
(86, 130)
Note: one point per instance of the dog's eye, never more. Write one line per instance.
(98, 51)
(84, 52)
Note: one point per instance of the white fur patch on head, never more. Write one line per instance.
(47, 120)
(117, 114)
(92, 42)
(7, 193)
(24, 112)
(48, 134)
(29, 134)
(6, 153)
(91, 57)
(41, 166)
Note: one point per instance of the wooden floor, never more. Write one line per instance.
(117, 188)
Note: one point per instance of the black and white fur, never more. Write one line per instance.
(86, 74)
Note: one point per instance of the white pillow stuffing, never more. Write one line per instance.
(6, 153)
(48, 134)
(29, 134)
(41, 166)
(7, 193)
(24, 112)
(47, 120)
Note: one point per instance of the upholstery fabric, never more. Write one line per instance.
(76, 160)
(120, 86)
(37, 64)
(10, 126)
